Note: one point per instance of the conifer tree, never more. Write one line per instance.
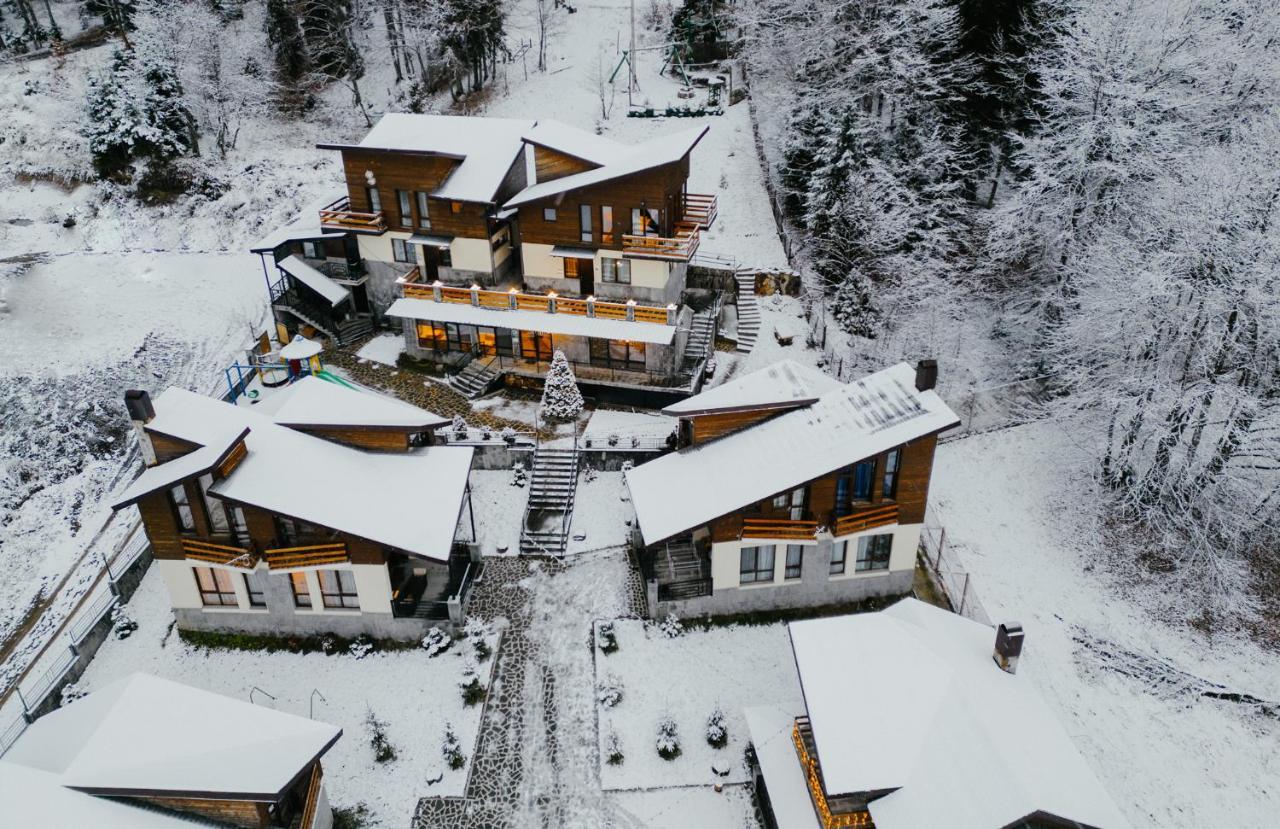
(561, 399)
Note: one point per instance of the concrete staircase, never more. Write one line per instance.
(553, 485)
(700, 337)
(475, 379)
(748, 311)
(353, 329)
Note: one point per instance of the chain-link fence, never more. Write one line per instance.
(955, 582)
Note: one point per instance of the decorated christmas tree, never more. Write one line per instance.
(561, 399)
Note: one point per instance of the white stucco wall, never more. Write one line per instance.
(539, 262)
(726, 559)
(181, 583)
(649, 273)
(902, 556)
(373, 586)
(471, 255)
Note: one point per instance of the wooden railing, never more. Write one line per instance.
(866, 519)
(700, 209)
(679, 247)
(313, 798)
(232, 460)
(339, 215)
(226, 554)
(775, 528)
(412, 287)
(312, 555)
(813, 776)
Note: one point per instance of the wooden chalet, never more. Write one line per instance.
(913, 719)
(148, 753)
(322, 510)
(790, 489)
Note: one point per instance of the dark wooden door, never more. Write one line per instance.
(431, 259)
(586, 277)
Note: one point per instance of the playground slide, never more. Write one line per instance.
(333, 378)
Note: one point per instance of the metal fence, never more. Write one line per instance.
(950, 576)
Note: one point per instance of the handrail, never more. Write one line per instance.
(819, 797)
(866, 519)
(311, 555)
(679, 247)
(778, 528)
(338, 214)
(515, 300)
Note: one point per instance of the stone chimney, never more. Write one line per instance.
(141, 412)
(1008, 646)
(926, 374)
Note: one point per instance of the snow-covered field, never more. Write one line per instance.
(1169, 756)
(415, 695)
(499, 507)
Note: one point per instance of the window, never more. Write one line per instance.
(570, 268)
(216, 588)
(301, 590)
(793, 502)
(535, 345)
(756, 564)
(854, 484)
(313, 250)
(455, 207)
(445, 256)
(406, 209)
(424, 215)
(606, 225)
(646, 221)
(375, 199)
(239, 526)
(873, 552)
(795, 553)
(839, 553)
(182, 508)
(433, 335)
(402, 251)
(615, 270)
(255, 586)
(584, 218)
(889, 486)
(618, 354)
(548, 214)
(213, 508)
(338, 588)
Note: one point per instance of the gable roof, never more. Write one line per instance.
(964, 743)
(783, 384)
(486, 148)
(194, 463)
(656, 152)
(688, 488)
(312, 402)
(180, 741)
(581, 144)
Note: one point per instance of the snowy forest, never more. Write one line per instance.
(1096, 181)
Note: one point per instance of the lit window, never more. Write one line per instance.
(455, 206)
(301, 590)
(606, 225)
(570, 268)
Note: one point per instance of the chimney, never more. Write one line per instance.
(926, 374)
(1008, 646)
(141, 412)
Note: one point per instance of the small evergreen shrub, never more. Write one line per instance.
(122, 624)
(383, 751)
(477, 634)
(671, 626)
(668, 742)
(436, 642)
(613, 749)
(606, 638)
(473, 693)
(450, 750)
(361, 647)
(609, 694)
(519, 477)
(717, 731)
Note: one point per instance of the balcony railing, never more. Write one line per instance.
(338, 215)
(225, 554)
(700, 209)
(802, 736)
(679, 248)
(412, 287)
(311, 555)
(866, 519)
(778, 528)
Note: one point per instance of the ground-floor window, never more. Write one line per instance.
(617, 354)
(839, 554)
(615, 270)
(873, 552)
(535, 345)
(301, 590)
(444, 337)
(402, 251)
(795, 554)
(755, 564)
(216, 587)
(338, 588)
(255, 584)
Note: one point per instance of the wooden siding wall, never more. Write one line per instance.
(167, 448)
(412, 173)
(550, 165)
(707, 427)
(161, 527)
(362, 438)
(247, 814)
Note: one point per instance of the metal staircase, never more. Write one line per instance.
(701, 334)
(475, 379)
(552, 488)
(748, 311)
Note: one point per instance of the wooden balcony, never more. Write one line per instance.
(338, 215)
(214, 553)
(678, 248)
(806, 752)
(700, 209)
(311, 555)
(866, 519)
(412, 287)
(779, 528)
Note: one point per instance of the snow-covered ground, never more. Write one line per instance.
(602, 513)
(384, 349)
(1026, 533)
(415, 695)
(499, 508)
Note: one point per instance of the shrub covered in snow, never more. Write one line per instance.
(383, 751)
(519, 477)
(717, 731)
(459, 428)
(668, 742)
(609, 694)
(473, 692)
(508, 434)
(436, 642)
(72, 692)
(671, 626)
(627, 466)
(122, 624)
(486, 432)
(561, 399)
(477, 633)
(361, 646)
(450, 750)
(613, 440)
(606, 638)
(613, 749)
(328, 644)
(589, 473)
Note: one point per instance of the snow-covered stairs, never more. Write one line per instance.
(353, 329)
(748, 311)
(700, 335)
(552, 487)
(475, 379)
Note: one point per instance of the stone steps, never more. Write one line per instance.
(748, 312)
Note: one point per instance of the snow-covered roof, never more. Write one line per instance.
(314, 402)
(686, 489)
(783, 384)
(770, 730)
(300, 348)
(569, 140)
(31, 797)
(409, 500)
(656, 152)
(147, 735)
(569, 324)
(313, 279)
(486, 147)
(304, 227)
(963, 743)
(189, 465)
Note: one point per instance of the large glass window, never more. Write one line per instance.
(873, 552)
(646, 221)
(402, 251)
(839, 554)
(239, 526)
(584, 221)
(216, 587)
(889, 486)
(535, 345)
(375, 199)
(313, 250)
(615, 270)
(433, 335)
(424, 213)
(853, 484)
(570, 268)
(338, 588)
(255, 584)
(755, 564)
(301, 590)
(406, 208)
(606, 225)
(795, 554)
(617, 354)
(182, 508)
(213, 508)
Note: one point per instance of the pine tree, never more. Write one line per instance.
(136, 111)
(561, 399)
(288, 46)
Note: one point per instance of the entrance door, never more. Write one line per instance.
(431, 262)
(586, 277)
(535, 345)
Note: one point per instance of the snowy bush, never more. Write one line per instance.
(613, 440)
(436, 642)
(561, 399)
(508, 434)
(72, 692)
(361, 647)
(627, 466)
(477, 633)
(459, 428)
(635, 441)
(136, 111)
(450, 750)
(519, 477)
(717, 731)
(328, 644)
(486, 432)
(473, 692)
(609, 694)
(668, 742)
(613, 749)
(383, 751)
(122, 624)
(589, 473)
(606, 638)
(671, 626)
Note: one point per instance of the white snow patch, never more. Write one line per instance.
(385, 349)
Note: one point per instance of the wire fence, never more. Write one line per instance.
(949, 574)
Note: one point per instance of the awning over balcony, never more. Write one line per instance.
(431, 240)
(770, 729)
(568, 324)
(313, 279)
(573, 253)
